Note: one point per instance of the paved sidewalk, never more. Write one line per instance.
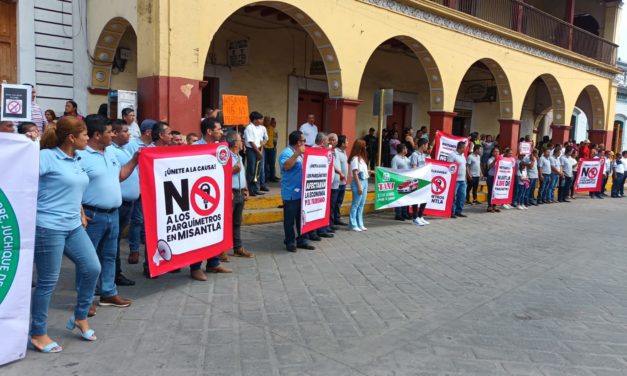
(546, 296)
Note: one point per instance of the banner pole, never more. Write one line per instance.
(381, 119)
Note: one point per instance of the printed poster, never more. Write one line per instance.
(316, 198)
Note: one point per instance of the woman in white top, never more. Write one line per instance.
(401, 162)
(419, 159)
(359, 186)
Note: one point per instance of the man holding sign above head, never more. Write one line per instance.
(458, 156)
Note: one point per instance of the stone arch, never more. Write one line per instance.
(105, 50)
(428, 63)
(504, 89)
(557, 98)
(596, 117)
(315, 32)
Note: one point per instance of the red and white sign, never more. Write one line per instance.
(443, 181)
(589, 175)
(504, 174)
(524, 148)
(316, 198)
(446, 144)
(185, 193)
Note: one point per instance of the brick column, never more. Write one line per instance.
(561, 133)
(343, 117)
(175, 100)
(601, 137)
(440, 121)
(509, 133)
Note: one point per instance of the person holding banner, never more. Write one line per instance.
(522, 183)
(418, 159)
(338, 187)
(491, 171)
(401, 162)
(474, 170)
(574, 157)
(567, 170)
(618, 179)
(556, 172)
(545, 177)
(291, 163)
(359, 185)
(60, 230)
(458, 156)
(531, 161)
(7, 127)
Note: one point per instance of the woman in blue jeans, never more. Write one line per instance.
(490, 167)
(359, 186)
(60, 231)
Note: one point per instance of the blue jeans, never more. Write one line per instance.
(555, 178)
(490, 183)
(358, 203)
(213, 262)
(136, 231)
(291, 221)
(251, 164)
(103, 230)
(460, 195)
(124, 213)
(270, 163)
(543, 194)
(401, 211)
(337, 198)
(530, 199)
(617, 184)
(521, 192)
(50, 245)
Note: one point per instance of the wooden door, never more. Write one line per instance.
(399, 111)
(310, 102)
(8, 42)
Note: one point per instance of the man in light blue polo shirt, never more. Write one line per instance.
(101, 201)
(130, 189)
(291, 162)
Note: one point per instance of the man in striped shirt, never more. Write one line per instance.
(36, 113)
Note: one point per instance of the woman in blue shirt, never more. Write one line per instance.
(60, 230)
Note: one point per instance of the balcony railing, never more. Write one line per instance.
(526, 19)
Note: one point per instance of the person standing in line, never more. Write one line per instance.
(359, 185)
(462, 175)
(474, 170)
(60, 230)
(618, 177)
(417, 160)
(507, 153)
(491, 171)
(372, 146)
(522, 182)
(177, 138)
(37, 115)
(567, 171)
(102, 198)
(269, 150)
(291, 163)
(574, 156)
(531, 161)
(262, 166)
(621, 186)
(393, 143)
(401, 162)
(338, 188)
(129, 188)
(556, 172)
(544, 167)
(309, 130)
(128, 115)
(191, 138)
(253, 138)
(594, 154)
(322, 142)
(607, 165)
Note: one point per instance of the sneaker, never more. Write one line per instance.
(507, 206)
(418, 222)
(525, 207)
(363, 228)
(114, 301)
(423, 220)
(356, 229)
(520, 207)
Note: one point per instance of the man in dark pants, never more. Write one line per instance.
(253, 138)
(130, 190)
(372, 146)
(291, 162)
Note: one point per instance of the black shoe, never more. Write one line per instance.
(252, 194)
(259, 193)
(331, 230)
(315, 238)
(175, 271)
(453, 216)
(565, 200)
(399, 218)
(340, 223)
(408, 217)
(306, 246)
(147, 274)
(121, 280)
(460, 215)
(264, 188)
(334, 227)
(274, 180)
(291, 248)
(327, 235)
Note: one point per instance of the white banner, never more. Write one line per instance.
(18, 208)
(589, 175)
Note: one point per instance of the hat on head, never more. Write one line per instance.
(147, 124)
(586, 141)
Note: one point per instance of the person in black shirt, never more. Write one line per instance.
(372, 146)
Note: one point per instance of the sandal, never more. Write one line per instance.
(51, 348)
(88, 335)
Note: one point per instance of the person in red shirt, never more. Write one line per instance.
(584, 151)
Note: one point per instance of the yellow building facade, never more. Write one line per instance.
(457, 66)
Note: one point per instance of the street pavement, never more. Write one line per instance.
(536, 292)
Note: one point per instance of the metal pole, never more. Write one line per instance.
(381, 120)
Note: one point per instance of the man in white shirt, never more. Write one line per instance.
(253, 137)
(310, 130)
(458, 156)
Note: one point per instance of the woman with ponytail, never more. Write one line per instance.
(60, 230)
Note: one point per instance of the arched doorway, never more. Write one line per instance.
(619, 142)
(580, 125)
(543, 106)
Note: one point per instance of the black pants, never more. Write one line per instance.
(251, 166)
(564, 188)
(238, 210)
(418, 212)
(474, 185)
(337, 198)
(291, 223)
(124, 215)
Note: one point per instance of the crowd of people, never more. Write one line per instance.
(89, 191)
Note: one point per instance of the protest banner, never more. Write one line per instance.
(18, 209)
(504, 172)
(235, 109)
(446, 144)
(186, 195)
(524, 148)
(395, 188)
(443, 182)
(589, 175)
(316, 197)
(16, 102)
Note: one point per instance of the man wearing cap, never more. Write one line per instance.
(102, 198)
(584, 152)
